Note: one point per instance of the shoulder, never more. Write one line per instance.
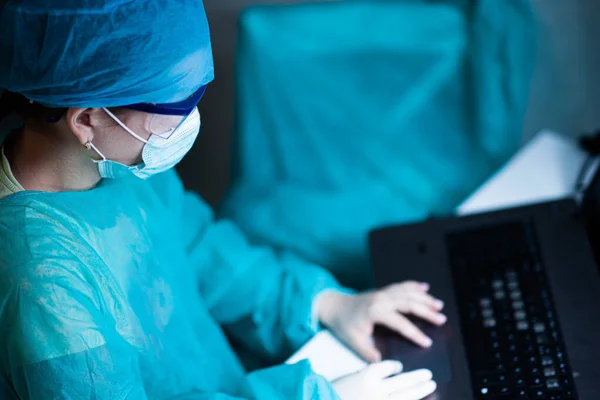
(37, 240)
(26, 216)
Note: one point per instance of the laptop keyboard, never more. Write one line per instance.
(514, 345)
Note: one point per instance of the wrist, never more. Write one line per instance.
(329, 305)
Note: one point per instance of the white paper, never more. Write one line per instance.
(328, 357)
(545, 169)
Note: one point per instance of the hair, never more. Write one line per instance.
(29, 111)
(34, 113)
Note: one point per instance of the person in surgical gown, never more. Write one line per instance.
(115, 282)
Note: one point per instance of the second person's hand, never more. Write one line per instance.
(353, 317)
(383, 381)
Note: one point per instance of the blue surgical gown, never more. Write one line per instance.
(132, 291)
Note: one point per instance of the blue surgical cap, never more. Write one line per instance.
(104, 53)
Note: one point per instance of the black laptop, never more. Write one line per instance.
(522, 293)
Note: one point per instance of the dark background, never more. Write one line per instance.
(565, 90)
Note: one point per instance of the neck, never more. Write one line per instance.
(49, 163)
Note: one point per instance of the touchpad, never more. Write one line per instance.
(436, 358)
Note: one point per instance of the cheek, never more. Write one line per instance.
(118, 145)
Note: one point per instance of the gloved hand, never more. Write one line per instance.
(353, 317)
(381, 382)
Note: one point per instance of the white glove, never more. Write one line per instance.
(381, 381)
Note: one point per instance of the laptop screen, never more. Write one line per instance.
(590, 207)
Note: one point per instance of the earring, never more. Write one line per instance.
(88, 146)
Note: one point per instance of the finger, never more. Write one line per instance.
(364, 346)
(418, 304)
(428, 300)
(417, 392)
(404, 327)
(407, 380)
(409, 286)
(404, 300)
(422, 311)
(381, 370)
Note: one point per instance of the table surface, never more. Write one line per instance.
(544, 169)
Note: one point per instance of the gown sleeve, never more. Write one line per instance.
(62, 346)
(263, 299)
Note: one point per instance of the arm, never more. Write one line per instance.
(109, 372)
(263, 300)
(61, 345)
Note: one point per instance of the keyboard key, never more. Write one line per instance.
(522, 325)
(549, 372)
(516, 295)
(520, 315)
(535, 381)
(533, 360)
(504, 391)
(520, 381)
(539, 327)
(552, 384)
(518, 305)
(542, 338)
(487, 313)
(493, 391)
(547, 361)
(485, 302)
(517, 371)
(492, 379)
(489, 322)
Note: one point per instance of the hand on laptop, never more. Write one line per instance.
(383, 381)
(353, 317)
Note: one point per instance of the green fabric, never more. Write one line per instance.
(127, 291)
(357, 114)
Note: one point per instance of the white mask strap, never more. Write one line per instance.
(132, 133)
(96, 150)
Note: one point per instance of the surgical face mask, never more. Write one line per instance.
(158, 155)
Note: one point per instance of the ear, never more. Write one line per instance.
(81, 122)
